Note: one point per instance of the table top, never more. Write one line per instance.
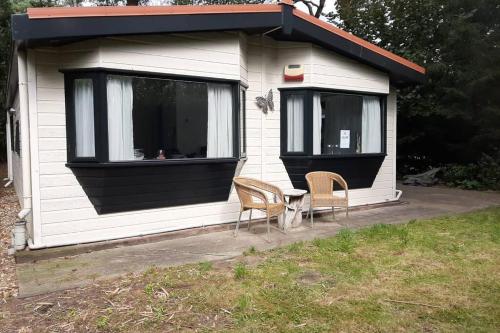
(294, 193)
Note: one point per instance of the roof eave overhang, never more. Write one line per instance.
(53, 31)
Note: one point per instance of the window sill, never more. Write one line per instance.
(152, 163)
(333, 157)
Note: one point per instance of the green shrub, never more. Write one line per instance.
(483, 175)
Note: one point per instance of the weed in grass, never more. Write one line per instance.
(345, 241)
(205, 266)
(342, 242)
(158, 312)
(151, 271)
(243, 303)
(296, 247)
(149, 289)
(240, 271)
(404, 236)
(251, 250)
(71, 313)
(379, 232)
(102, 322)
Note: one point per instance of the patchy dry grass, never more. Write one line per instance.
(440, 275)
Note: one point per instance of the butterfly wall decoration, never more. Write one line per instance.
(265, 103)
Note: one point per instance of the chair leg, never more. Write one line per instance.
(268, 229)
(284, 222)
(347, 211)
(307, 215)
(333, 214)
(238, 224)
(249, 219)
(312, 216)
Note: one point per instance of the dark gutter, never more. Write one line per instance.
(12, 77)
(24, 29)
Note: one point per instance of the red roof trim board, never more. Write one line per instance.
(60, 12)
(104, 11)
(357, 40)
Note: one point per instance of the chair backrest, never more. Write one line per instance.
(243, 189)
(250, 188)
(320, 182)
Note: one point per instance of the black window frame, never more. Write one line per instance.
(99, 76)
(17, 138)
(11, 130)
(308, 121)
(242, 121)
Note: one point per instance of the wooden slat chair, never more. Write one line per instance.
(321, 187)
(252, 195)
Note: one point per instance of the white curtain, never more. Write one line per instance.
(120, 124)
(371, 135)
(295, 123)
(317, 124)
(84, 118)
(220, 121)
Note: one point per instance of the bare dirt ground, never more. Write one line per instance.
(9, 207)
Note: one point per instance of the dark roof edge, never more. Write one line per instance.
(12, 77)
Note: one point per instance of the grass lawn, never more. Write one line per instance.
(439, 275)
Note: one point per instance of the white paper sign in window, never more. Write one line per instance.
(345, 138)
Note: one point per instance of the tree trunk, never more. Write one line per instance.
(132, 2)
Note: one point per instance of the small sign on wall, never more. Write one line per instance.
(345, 138)
(294, 73)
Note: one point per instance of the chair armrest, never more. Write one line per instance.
(275, 190)
(341, 181)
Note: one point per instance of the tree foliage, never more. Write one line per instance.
(455, 116)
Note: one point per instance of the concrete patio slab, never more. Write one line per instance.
(71, 271)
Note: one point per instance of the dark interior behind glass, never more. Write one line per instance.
(340, 112)
(169, 118)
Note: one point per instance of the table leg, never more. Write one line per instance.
(298, 203)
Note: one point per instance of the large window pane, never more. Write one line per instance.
(295, 123)
(350, 124)
(83, 96)
(168, 119)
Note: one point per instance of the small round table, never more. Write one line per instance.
(293, 214)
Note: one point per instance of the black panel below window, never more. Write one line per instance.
(123, 187)
(358, 171)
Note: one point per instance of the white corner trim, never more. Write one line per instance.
(35, 165)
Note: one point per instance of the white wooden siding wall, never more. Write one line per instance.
(67, 216)
(333, 71)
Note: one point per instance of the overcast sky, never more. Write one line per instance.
(329, 4)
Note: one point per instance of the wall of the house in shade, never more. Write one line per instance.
(17, 170)
(66, 215)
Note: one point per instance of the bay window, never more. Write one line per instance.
(123, 117)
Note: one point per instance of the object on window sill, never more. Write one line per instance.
(161, 155)
(138, 154)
